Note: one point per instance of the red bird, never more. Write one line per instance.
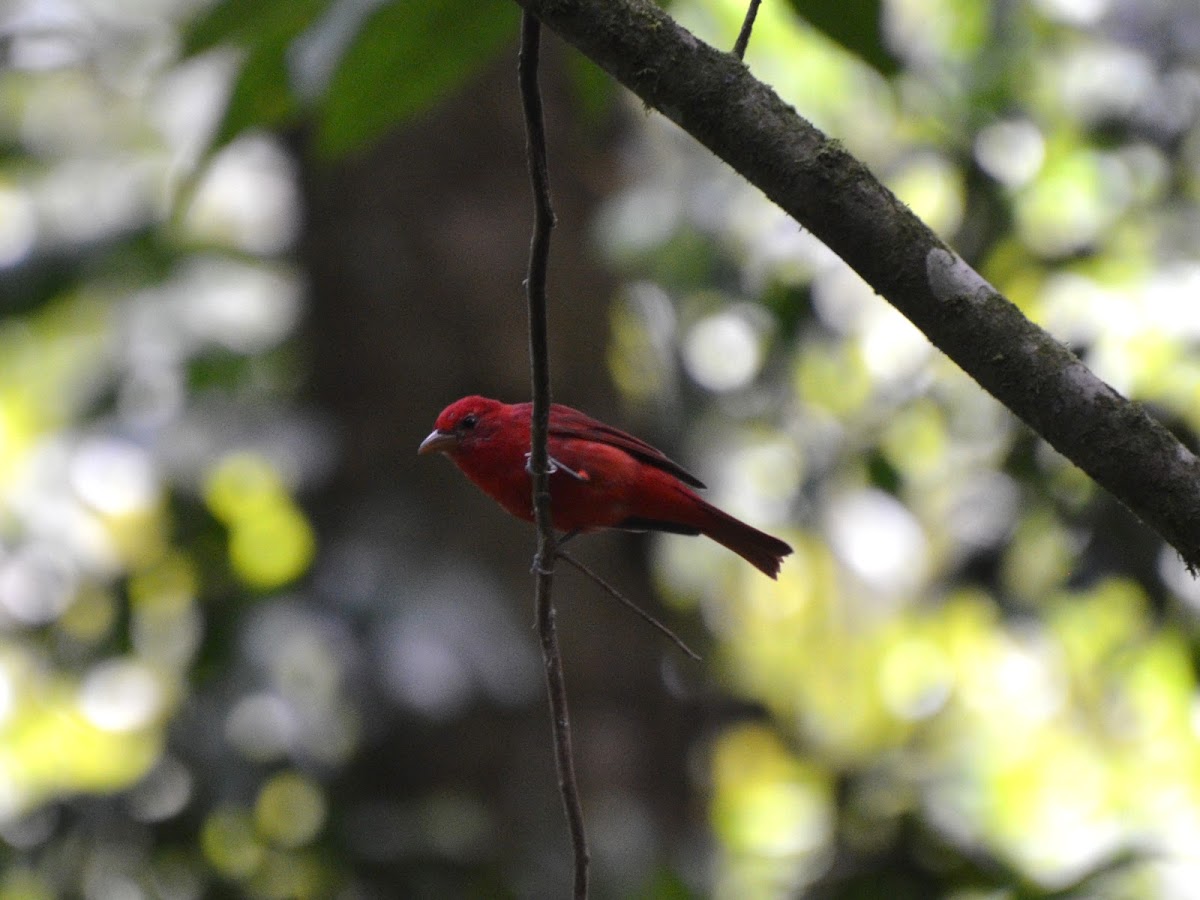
(600, 477)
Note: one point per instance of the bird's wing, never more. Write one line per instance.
(566, 422)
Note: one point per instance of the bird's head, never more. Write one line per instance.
(462, 425)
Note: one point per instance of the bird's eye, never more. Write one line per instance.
(470, 421)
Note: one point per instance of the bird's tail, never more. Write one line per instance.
(758, 548)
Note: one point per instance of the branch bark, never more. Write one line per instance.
(714, 97)
(539, 458)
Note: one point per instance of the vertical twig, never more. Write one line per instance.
(743, 38)
(539, 358)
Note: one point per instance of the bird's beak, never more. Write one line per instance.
(438, 442)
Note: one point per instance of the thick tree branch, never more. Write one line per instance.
(712, 96)
(539, 361)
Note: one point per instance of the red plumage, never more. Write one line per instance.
(603, 477)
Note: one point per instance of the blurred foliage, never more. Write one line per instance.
(975, 678)
(857, 25)
(149, 460)
(354, 67)
(978, 678)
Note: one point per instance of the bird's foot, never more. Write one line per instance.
(539, 567)
(553, 465)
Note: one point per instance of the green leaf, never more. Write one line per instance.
(408, 55)
(261, 96)
(855, 24)
(219, 24)
(250, 24)
(594, 88)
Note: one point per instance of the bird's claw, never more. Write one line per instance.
(538, 567)
(552, 466)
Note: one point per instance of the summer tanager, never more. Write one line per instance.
(600, 477)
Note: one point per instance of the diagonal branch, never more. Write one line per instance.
(629, 604)
(539, 458)
(712, 96)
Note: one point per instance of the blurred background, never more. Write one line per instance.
(251, 645)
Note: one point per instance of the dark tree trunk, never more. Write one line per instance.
(415, 253)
